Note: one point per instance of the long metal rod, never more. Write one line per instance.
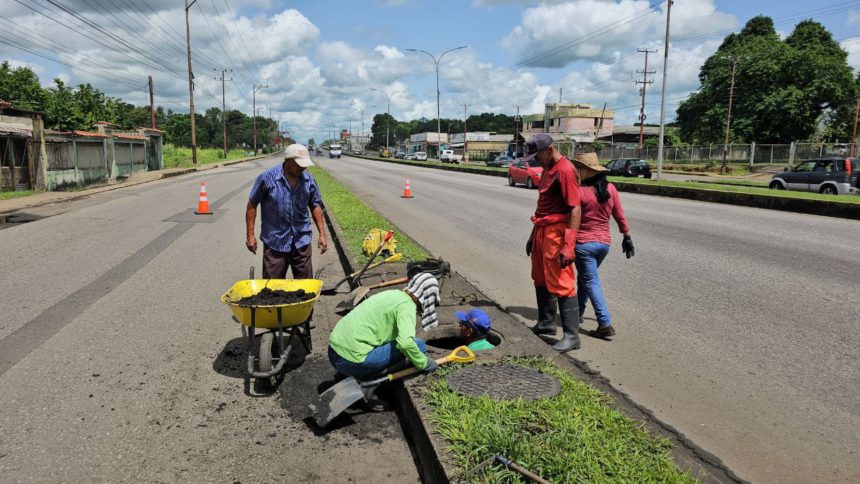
(724, 168)
(663, 92)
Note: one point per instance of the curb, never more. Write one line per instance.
(836, 209)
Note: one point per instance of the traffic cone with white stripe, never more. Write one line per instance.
(203, 203)
(407, 190)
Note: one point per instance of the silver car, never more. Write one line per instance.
(832, 176)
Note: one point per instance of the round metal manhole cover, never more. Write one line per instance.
(503, 382)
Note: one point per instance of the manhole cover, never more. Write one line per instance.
(503, 382)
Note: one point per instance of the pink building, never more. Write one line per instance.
(579, 122)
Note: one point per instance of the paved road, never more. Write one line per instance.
(119, 364)
(738, 326)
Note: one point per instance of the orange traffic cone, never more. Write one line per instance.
(407, 191)
(203, 204)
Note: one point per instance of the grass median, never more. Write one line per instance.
(575, 436)
(356, 219)
(180, 156)
(18, 194)
(750, 190)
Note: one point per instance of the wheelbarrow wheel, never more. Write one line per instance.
(265, 358)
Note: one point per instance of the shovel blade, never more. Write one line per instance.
(353, 299)
(336, 400)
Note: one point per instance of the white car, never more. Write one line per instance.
(448, 156)
(420, 156)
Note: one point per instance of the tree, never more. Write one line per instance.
(783, 89)
(311, 142)
(21, 87)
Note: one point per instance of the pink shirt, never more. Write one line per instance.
(595, 216)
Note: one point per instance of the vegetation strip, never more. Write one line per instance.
(575, 436)
(180, 156)
(356, 219)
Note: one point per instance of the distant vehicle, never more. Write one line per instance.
(528, 174)
(492, 155)
(420, 156)
(630, 167)
(448, 156)
(334, 151)
(401, 155)
(831, 176)
(410, 156)
(502, 161)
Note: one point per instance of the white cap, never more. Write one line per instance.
(300, 154)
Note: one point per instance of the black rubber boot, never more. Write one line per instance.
(546, 304)
(569, 309)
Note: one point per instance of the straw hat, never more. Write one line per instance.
(587, 165)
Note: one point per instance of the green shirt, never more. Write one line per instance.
(382, 318)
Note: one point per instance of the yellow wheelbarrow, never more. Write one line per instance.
(279, 320)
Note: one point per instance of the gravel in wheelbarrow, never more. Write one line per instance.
(278, 297)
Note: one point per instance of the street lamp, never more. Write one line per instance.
(256, 88)
(362, 120)
(387, 111)
(436, 61)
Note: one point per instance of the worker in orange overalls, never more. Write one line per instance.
(552, 243)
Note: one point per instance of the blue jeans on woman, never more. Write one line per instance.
(376, 361)
(589, 256)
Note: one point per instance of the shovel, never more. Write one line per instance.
(338, 398)
(360, 292)
(331, 290)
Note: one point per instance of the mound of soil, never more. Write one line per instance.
(268, 297)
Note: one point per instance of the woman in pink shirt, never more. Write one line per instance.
(599, 201)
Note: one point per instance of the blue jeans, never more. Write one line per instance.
(589, 256)
(376, 361)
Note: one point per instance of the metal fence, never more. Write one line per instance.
(753, 153)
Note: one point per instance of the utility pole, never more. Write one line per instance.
(600, 124)
(516, 131)
(224, 105)
(465, 132)
(724, 168)
(151, 104)
(663, 92)
(853, 152)
(256, 88)
(191, 83)
(645, 82)
(388, 113)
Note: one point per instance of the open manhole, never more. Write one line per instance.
(503, 382)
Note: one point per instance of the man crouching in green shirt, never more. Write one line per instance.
(380, 332)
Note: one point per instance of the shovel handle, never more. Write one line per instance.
(392, 282)
(452, 357)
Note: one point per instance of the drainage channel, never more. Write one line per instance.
(12, 219)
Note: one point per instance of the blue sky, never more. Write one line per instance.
(322, 59)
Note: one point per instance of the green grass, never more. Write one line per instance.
(752, 190)
(356, 219)
(23, 193)
(740, 183)
(479, 165)
(573, 437)
(180, 156)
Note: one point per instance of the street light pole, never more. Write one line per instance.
(663, 93)
(254, 102)
(190, 84)
(388, 114)
(362, 120)
(438, 118)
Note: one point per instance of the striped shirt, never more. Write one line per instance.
(285, 211)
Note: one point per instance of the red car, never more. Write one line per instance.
(526, 173)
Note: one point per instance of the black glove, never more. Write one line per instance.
(431, 366)
(529, 244)
(627, 246)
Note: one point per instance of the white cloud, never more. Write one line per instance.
(852, 46)
(554, 35)
(853, 17)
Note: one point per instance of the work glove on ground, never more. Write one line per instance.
(568, 250)
(431, 366)
(627, 246)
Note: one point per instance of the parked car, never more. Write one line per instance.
(632, 167)
(502, 161)
(410, 156)
(492, 155)
(525, 173)
(420, 156)
(334, 151)
(448, 156)
(833, 175)
(400, 155)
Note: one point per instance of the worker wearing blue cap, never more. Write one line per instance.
(474, 328)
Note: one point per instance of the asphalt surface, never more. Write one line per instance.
(738, 326)
(118, 362)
